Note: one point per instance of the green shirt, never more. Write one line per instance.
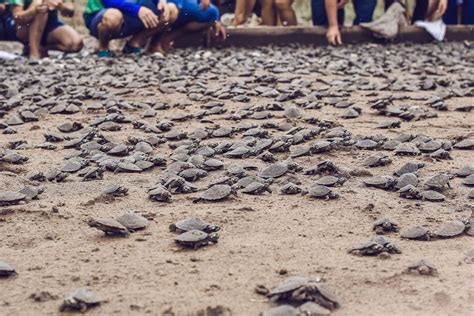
(93, 6)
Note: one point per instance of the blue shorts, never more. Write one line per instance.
(131, 24)
(190, 11)
(10, 28)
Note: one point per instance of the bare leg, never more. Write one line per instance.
(285, 11)
(109, 27)
(239, 14)
(432, 6)
(268, 13)
(65, 39)
(154, 45)
(249, 8)
(30, 34)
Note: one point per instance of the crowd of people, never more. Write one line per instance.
(151, 26)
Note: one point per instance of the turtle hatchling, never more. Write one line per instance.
(215, 193)
(11, 198)
(438, 182)
(6, 270)
(330, 181)
(196, 239)
(385, 225)
(377, 160)
(133, 221)
(416, 233)
(115, 190)
(159, 193)
(274, 171)
(290, 188)
(80, 300)
(301, 289)
(256, 188)
(188, 224)
(450, 229)
(422, 267)
(109, 226)
(374, 246)
(322, 192)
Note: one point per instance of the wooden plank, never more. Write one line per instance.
(264, 35)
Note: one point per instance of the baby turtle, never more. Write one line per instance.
(133, 221)
(406, 179)
(80, 300)
(409, 167)
(367, 144)
(330, 181)
(290, 188)
(410, 192)
(422, 267)
(450, 229)
(374, 247)
(322, 192)
(385, 225)
(11, 198)
(6, 270)
(469, 181)
(274, 171)
(465, 144)
(215, 193)
(384, 183)
(441, 154)
(464, 171)
(432, 196)
(377, 160)
(415, 233)
(312, 309)
(438, 182)
(196, 238)
(109, 226)
(159, 193)
(302, 289)
(188, 224)
(115, 190)
(407, 149)
(256, 188)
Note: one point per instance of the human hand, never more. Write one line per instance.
(205, 4)
(148, 18)
(341, 4)
(52, 4)
(220, 30)
(41, 8)
(333, 35)
(165, 11)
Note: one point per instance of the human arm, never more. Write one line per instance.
(165, 10)
(205, 4)
(333, 34)
(23, 16)
(66, 9)
(442, 6)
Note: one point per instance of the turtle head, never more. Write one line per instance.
(213, 237)
(212, 228)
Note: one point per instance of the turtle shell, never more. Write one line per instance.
(465, 144)
(423, 267)
(319, 191)
(216, 192)
(406, 179)
(415, 232)
(133, 221)
(471, 195)
(450, 229)
(274, 171)
(437, 182)
(115, 190)
(193, 224)
(255, 188)
(6, 270)
(191, 237)
(432, 196)
(409, 167)
(378, 181)
(464, 171)
(289, 285)
(366, 144)
(298, 151)
(468, 181)
(109, 226)
(431, 146)
(86, 296)
(10, 197)
(328, 181)
(407, 149)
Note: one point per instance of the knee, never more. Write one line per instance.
(283, 4)
(112, 19)
(75, 45)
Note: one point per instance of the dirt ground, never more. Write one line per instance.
(263, 239)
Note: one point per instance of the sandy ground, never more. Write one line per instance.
(264, 239)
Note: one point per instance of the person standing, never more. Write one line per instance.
(330, 13)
